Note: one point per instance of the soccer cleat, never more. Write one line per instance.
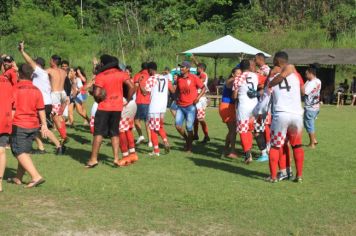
(206, 139)
(262, 158)
(270, 180)
(60, 150)
(248, 158)
(133, 157)
(298, 180)
(196, 137)
(140, 140)
(153, 154)
(282, 176)
(124, 161)
(232, 156)
(150, 144)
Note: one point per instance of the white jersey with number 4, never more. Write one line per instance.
(286, 95)
(243, 83)
(157, 85)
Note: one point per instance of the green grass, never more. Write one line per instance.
(189, 194)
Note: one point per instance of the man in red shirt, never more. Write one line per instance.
(26, 122)
(187, 91)
(6, 100)
(143, 99)
(108, 93)
(10, 70)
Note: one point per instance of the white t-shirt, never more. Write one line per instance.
(157, 85)
(312, 94)
(286, 95)
(41, 81)
(243, 83)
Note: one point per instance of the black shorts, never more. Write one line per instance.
(4, 140)
(21, 140)
(142, 112)
(106, 123)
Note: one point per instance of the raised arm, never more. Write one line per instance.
(27, 58)
(287, 70)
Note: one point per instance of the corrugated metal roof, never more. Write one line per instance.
(327, 56)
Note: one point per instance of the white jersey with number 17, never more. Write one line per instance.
(157, 85)
(286, 95)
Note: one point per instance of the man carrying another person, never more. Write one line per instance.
(108, 93)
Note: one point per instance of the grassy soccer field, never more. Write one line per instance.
(189, 194)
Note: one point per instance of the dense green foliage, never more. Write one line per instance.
(188, 194)
(147, 29)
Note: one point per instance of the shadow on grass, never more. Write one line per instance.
(82, 156)
(228, 168)
(80, 138)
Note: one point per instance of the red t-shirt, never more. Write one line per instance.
(28, 101)
(6, 101)
(11, 75)
(188, 89)
(112, 81)
(140, 98)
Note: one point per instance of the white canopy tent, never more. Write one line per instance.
(225, 47)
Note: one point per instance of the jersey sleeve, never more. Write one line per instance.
(236, 84)
(301, 81)
(150, 83)
(203, 77)
(136, 78)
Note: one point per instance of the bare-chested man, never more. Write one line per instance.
(57, 76)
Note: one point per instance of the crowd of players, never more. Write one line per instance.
(257, 102)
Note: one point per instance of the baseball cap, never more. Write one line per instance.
(40, 61)
(185, 64)
(8, 59)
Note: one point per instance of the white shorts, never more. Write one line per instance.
(201, 107)
(129, 110)
(58, 102)
(154, 121)
(286, 125)
(244, 118)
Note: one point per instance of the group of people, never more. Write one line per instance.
(266, 104)
(257, 102)
(342, 92)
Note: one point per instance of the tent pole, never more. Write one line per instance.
(215, 65)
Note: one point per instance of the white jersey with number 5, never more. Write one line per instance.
(286, 95)
(243, 83)
(157, 85)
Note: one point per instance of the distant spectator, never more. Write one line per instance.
(340, 92)
(353, 90)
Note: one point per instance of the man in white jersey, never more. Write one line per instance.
(41, 81)
(311, 103)
(287, 122)
(245, 90)
(158, 86)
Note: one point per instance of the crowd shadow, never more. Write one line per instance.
(82, 156)
(227, 167)
(80, 138)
